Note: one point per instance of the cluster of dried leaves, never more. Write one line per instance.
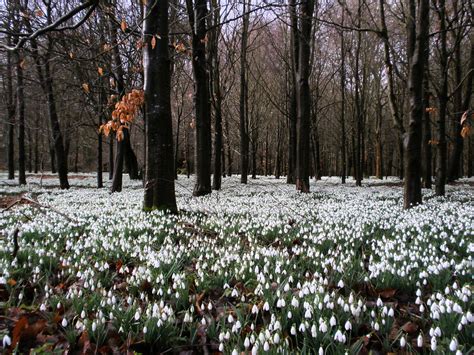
(124, 113)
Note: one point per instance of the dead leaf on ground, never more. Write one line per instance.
(387, 293)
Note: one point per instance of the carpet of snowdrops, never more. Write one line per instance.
(257, 268)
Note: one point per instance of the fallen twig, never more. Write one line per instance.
(37, 205)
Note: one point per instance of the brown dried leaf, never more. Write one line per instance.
(387, 293)
(20, 326)
(410, 327)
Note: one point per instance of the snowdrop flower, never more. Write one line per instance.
(313, 331)
(230, 319)
(419, 341)
(332, 321)
(6, 341)
(221, 347)
(403, 342)
(340, 337)
(293, 330)
(266, 307)
(254, 309)
(453, 345)
(276, 338)
(64, 323)
(340, 284)
(302, 328)
(433, 343)
(348, 325)
(323, 328)
(246, 342)
(266, 346)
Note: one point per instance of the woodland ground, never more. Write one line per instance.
(259, 267)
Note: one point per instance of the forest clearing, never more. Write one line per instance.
(256, 267)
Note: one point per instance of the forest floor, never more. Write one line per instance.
(257, 268)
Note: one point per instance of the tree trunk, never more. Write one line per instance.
(197, 19)
(293, 111)
(426, 144)
(216, 95)
(304, 97)
(20, 111)
(441, 156)
(243, 103)
(417, 59)
(37, 143)
(343, 107)
(160, 172)
(456, 155)
(111, 156)
(30, 151)
(11, 116)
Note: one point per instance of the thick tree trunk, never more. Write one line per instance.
(304, 97)
(11, 117)
(417, 59)
(217, 97)
(159, 180)
(441, 156)
(197, 19)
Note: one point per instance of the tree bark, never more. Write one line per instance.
(216, 96)
(20, 111)
(243, 103)
(426, 128)
(456, 155)
(160, 172)
(304, 97)
(441, 156)
(417, 59)
(197, 14)
(11, 116)
(293, 107)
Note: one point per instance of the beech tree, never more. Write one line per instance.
(417, 54)
(159, 175)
